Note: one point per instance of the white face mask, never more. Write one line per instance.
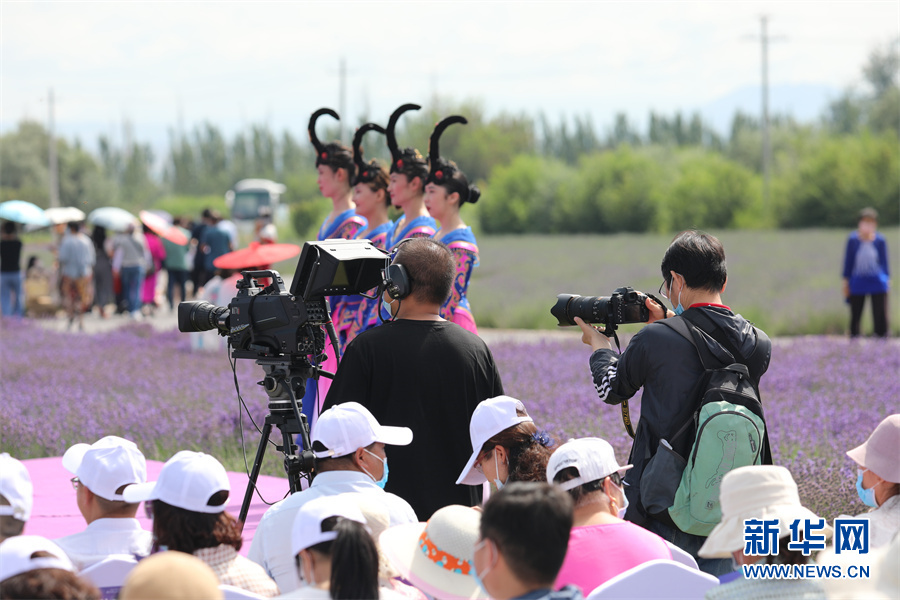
(497, 481)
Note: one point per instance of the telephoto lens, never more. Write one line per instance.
(591, 309)
(199, 315)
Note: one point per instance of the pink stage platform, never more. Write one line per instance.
(55, 512)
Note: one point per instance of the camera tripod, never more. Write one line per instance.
(285, 384)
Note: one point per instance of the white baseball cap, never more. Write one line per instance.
(106, 465)
(307, 528)
(345, 427)
(15, 486)
(593, 457)
(490, 417)
(187, 481)
(16, 552)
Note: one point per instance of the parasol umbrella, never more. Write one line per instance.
(64, 214)
(256, 255)
(23, 212)
(160, 227)
(112, 218)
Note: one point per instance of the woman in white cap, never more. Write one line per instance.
(878, 480)
(763, 492)
(507, 445)
(335, 554)
(34, 567)
(189, 516)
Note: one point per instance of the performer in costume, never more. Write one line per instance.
(446, 190)
(372, 202)
(334, 163)
(408, 173)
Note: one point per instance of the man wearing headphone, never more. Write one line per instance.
(423, 372)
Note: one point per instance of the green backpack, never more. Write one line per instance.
(730, 433)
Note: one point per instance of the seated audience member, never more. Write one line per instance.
(601, 544)
(878, 480)
(377, 521)
(760, 492)
(34, 567)
(524, 534)
(189, 516)
(351, 457)
(507, 445)
(436, 556)
(171, 576)
(102, 472)
(334, 553)
(883, 582)
(16, 496)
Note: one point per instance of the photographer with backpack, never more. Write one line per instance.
(701, 417)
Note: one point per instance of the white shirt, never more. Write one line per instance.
(104, 537)
(884, 522)
(271, 546)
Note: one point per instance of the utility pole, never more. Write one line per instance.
(766, 146)
(54, 164)
(764, 39)
(342, 102)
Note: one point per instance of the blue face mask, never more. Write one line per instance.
(866, 495)
(383, 481)
(679, 309)
(478, 576)
(386, 309)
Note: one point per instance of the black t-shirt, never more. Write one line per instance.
(10, 256)
(428, 376)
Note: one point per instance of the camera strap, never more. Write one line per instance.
(626, 414)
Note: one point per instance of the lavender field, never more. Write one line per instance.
(823, 396)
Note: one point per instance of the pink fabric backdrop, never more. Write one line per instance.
(55, 512)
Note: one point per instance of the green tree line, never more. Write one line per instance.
(538, 175)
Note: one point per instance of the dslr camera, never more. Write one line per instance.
(624, 305)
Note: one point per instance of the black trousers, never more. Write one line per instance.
(879, 313)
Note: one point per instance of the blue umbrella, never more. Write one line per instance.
(23, 212)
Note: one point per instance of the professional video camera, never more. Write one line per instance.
(625, 305)
(284, 332)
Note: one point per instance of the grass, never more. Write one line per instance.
(787, 282)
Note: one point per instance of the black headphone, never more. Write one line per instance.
(396, 279)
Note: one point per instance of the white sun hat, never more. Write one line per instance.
(490, 417)
(438, 556)
(345, 427)
(755, 492)
(106, 465)
(593, 457)
(187, 481)
(307, 528)
(15, 486)
(16, 556)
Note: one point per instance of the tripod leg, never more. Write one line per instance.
(254, 473)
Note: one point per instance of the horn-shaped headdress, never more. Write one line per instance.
(366, 172)
(332, 154)
(407, 161)
(445, 172)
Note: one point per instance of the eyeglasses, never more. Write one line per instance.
(664, 289)
(478, 461)
(76, 483)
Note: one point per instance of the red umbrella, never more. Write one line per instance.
(160, 227)
(256, 255)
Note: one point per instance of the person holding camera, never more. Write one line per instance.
(669, 369)
(422, 372)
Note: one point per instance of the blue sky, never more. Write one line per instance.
(157, 64)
